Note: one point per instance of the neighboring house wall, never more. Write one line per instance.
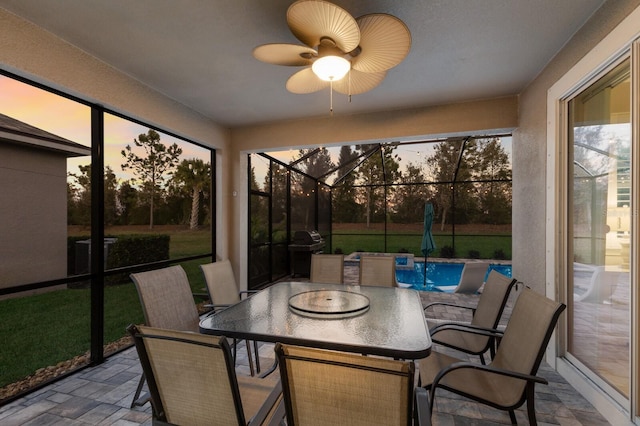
(33, 207)
(33, 215)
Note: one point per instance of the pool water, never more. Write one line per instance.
(439, 273)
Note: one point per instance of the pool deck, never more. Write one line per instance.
(353, 259)
(406, 269)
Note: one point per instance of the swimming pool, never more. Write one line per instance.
(440, 273)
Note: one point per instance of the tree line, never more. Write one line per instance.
(467, 181)
(164, 189)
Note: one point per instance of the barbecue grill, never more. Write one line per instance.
(304, 244)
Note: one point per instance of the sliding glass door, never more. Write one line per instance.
(599, 229)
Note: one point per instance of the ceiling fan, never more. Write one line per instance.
(338, 46)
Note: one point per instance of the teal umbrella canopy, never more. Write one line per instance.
(428, 245)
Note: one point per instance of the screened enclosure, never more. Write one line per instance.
(89, 196)
(371, 198)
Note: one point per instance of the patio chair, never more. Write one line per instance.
(192, 380)
(327, 268)
(601, 286)
(322, 387)
(378, 271)
(471, 280)
(486, 315)
(223, 292)
(510, 379)
(167, 302)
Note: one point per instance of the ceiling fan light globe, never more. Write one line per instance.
(331, 68)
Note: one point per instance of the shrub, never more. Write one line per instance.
(447, 252)
(138, 249)
(338, 250)
(126, 250)
(134, 249)
(499, 254)
(474, 254)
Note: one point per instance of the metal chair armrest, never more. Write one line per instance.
(200, 295)
(216, 308)
(460, 365)
(467, 328)
(488, 369)
(454, 305)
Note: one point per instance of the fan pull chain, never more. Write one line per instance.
(349, 86)
(331, 98)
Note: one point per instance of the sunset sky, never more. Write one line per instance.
(72, 120)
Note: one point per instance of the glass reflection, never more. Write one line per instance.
(599, 309)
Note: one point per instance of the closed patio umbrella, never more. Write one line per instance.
(428, 245)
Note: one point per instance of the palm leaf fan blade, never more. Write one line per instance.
(312, 20)
(305, 81)
(385, 41)
(284, 54)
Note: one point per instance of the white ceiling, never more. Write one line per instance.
(198, 52)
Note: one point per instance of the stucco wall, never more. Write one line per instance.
(464, 118)
(529, 145)
(33, 211)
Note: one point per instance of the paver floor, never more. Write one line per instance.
(101, 395)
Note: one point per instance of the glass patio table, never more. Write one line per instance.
(381, 321)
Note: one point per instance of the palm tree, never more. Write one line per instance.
(193, 175)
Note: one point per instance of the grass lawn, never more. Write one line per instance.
(485, 245)
(42, 330)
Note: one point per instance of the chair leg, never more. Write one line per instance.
(257, 355)
(250, 358)
(421, 412)
(512, 416)
(234, 350)
(482, 361)
(137, 401)
(531, 404)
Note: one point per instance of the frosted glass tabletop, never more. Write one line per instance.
(380, 320)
